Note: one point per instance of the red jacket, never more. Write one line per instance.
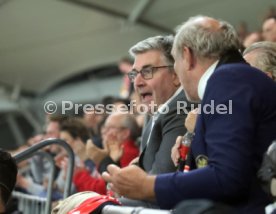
(83, 181)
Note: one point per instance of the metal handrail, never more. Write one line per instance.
(111, 209)
(33, 149)
(51, 179)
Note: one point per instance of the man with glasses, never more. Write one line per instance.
(119, 134)
(159, 89)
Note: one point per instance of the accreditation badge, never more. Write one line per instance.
(201, 161)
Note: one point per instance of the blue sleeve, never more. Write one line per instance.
(227, 140)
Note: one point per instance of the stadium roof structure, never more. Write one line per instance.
(44, 42)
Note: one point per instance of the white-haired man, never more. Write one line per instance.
(228, 145)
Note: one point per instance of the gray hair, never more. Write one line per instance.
(204, 40)
(126, 120)
(129, 121)
(266, 56)
(159, 43)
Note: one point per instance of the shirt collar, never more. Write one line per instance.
(204, 79)
(162, 107)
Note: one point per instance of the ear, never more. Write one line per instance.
(175, 81)
(188, 57)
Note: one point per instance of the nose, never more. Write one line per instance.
(139, 81)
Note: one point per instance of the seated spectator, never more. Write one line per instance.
(75, 133)
(269, 29)
(152, 66)
(159, 91)
(32, 181)
(262, 55)
(8, 173)
(121, 131)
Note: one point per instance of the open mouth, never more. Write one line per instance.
(146, 97)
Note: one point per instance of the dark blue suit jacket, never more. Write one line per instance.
(233, 144)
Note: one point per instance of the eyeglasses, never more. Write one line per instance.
(146, 73)
(113, 127)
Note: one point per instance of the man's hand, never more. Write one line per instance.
(131, 182)
(175, 155)
(190, 120)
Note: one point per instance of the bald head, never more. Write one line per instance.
(208, 22)
(206, 37)
(198, 43)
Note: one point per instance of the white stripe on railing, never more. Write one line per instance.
(29, 203)
(111, 209)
